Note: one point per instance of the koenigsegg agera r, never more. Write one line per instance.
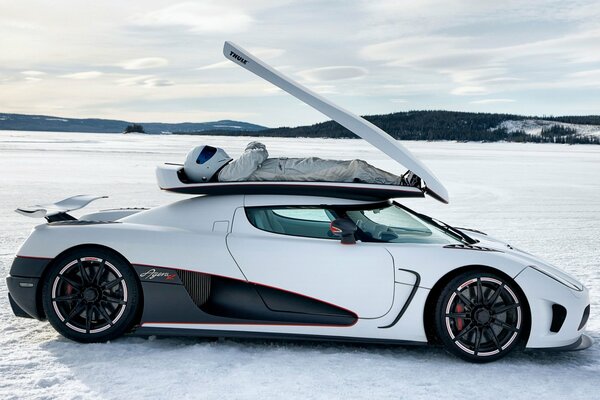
(318, 260)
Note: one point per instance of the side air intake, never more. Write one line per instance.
(584, 318)
(197, 285)
(559, 313)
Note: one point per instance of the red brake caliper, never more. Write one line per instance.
(459, 321)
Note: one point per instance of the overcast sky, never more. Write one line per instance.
(162, 60)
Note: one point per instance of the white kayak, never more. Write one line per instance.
(356, 124)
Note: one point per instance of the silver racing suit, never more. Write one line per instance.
(254, 165)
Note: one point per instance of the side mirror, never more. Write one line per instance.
(344, 227)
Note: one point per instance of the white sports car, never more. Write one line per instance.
(316, 260)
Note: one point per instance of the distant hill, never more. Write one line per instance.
(459, 126)
(409, 125)
(22, 122)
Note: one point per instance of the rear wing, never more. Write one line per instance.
(58, 211)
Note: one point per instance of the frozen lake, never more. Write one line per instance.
(542, 198)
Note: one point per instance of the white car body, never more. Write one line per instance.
(369, 279)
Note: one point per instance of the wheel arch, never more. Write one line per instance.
(73, 249)
(435, 292)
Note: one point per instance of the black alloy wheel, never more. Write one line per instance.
(481, 317)
(91, 296)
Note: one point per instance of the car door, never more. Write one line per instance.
(292, 249)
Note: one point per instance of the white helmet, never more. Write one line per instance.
(202, 162)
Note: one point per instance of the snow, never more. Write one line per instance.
(534, 127)
(544, 198)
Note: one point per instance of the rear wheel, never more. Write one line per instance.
(91, 295)
(481, 316)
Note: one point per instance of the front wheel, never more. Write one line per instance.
(481, 316)
(91, 296)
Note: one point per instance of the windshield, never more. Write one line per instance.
(394, 224)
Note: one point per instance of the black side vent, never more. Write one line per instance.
(80, 222)
(584, 318)
(559, 313)
(467, 247)
(61, 216)
(197, 285)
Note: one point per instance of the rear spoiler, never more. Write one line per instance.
(58, 211)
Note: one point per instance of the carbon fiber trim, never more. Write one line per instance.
(197, 285)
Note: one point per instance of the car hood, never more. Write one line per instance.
(528, 259)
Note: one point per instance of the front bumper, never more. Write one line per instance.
(546, 296)
(582, 343)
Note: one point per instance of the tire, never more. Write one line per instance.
(91, 295)
(481, 316)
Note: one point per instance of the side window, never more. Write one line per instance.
(306, 214)
(295, 221)
(394, 225)
(396, 218)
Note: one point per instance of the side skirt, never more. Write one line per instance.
(150, 331)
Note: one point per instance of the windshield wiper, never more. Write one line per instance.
(449, 228)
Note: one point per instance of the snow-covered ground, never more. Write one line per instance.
(534, 127)
(544, 198)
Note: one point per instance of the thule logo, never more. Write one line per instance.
(238, 57)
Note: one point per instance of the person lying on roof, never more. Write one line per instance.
(212, 164)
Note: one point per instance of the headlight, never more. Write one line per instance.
(560, 277)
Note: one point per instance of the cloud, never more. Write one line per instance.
(411, 48)
(144, 63)
(475, 61)
(158, 82)
(324, 89)
(586, 74)
(218, 65)
(470, 91)
(399, 100)
(145, 80)
(33, 73)
(83, 75)
(477, 74)
(423, 51)
(333, 73)
(203, 17)
(493, 101)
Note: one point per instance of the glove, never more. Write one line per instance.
(255, 145)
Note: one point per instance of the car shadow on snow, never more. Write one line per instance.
(140, 346)
(141, 364)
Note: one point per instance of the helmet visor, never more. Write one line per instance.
(206, 154)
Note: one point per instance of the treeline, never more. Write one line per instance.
(551, 134)
(134, 128)
(577, 119)
(437, 125)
